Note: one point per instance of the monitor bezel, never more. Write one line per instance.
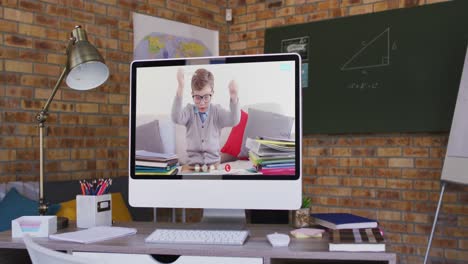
(226, 60)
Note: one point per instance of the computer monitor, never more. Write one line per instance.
(216, 132)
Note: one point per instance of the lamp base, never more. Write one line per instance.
(62, 222)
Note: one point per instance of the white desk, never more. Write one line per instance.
(257, 246)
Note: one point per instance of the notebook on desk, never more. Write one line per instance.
(94, 234)
(343, 221)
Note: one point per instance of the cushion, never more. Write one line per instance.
(181, 144)
(234, 140)
(227, 158)
(2, 191)
(159, 129)
(265, 124)
(29, 189)
(167, 133)
(15, 205)
(267, 107)
(147, 137)
(120, 211)
(68, 210)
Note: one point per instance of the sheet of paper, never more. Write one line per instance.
(94, 234)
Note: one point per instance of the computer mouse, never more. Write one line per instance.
(278, 240)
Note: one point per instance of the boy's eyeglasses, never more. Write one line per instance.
(206, 98)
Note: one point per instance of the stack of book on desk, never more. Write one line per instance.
(272, 156)
(349, 232)
(152, 163)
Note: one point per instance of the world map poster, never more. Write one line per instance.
(157, 38)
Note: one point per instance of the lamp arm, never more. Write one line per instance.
(41, 117)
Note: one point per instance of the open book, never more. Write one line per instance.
(94, 234)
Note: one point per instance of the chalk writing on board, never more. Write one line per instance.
(363, 85)
(372, 54)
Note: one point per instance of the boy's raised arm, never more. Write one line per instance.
(179, 116)
(233, 88)
(232, 117)
(181, 82)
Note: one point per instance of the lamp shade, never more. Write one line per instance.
(86, 66)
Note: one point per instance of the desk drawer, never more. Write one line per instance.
(116, 258)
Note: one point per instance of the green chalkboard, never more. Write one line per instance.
(392, 71)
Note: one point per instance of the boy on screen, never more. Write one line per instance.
(202, 119)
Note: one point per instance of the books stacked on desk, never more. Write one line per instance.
(364, 239)
(272, 156)
(350, 232)
(153, 163)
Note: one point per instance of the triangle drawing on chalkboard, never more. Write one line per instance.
(375, 53)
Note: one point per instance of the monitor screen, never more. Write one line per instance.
(216, 132)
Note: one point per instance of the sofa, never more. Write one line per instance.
(157, 133)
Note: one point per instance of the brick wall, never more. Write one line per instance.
(88, 131)
(390, 177)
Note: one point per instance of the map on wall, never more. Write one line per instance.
(157, 38)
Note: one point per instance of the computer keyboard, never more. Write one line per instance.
(188, 236)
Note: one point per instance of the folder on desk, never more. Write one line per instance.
(94, 234)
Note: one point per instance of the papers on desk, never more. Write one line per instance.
(94, 234)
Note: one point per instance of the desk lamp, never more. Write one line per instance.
(85, 69)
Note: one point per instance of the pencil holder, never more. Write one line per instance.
(93, 210)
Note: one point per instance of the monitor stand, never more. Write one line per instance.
(231, 219)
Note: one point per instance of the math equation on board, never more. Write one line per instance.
(363, 85)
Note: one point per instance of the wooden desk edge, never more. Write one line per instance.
(256, 246)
